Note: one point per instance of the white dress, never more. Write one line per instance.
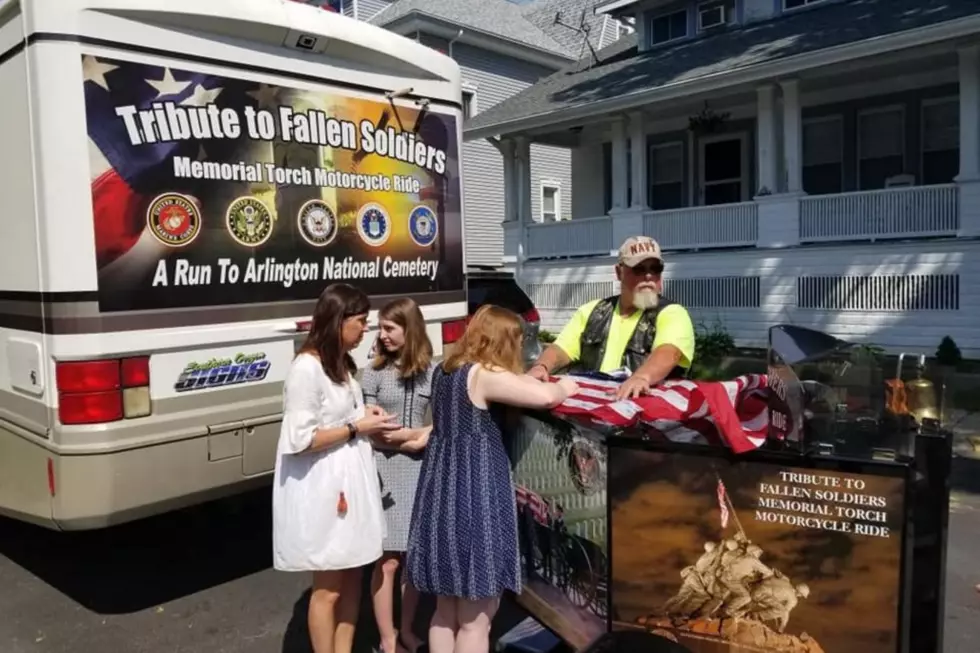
(308, 533)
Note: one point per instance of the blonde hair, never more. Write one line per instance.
(415, 355)
(494, 338)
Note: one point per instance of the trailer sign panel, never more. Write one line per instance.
(211, 190)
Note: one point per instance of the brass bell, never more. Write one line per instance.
(921, 395)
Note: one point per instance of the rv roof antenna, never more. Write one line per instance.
(584, 29)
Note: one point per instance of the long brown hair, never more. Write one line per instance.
(337, 302)
(493, 338)
(416, 354)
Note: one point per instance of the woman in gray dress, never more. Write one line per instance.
(399, 380)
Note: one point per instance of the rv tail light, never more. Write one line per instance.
(90, 407)
(531, 315)
(87, 376)
(101, 391)
(304, 325)
(452, 331)
(135, 372)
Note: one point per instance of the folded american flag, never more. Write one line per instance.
(731, 413)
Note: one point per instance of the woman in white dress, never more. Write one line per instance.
(326, 498)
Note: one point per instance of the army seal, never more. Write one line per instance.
(317, 223)
(248, 221)
(173, 219)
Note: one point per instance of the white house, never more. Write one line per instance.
(502, 48)
(809, 161)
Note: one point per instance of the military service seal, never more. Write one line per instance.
(248, 221)
(173, 219)
(317, 223)
(423, 226)
(373, 224)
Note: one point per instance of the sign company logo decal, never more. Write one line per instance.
(223, 372)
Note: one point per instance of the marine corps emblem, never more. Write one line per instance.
(249, 221)
(423, 226)
(173, 219)
(317, 223)
(584, 467)
(373, 224)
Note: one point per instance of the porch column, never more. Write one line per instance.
(510, 225)
(619, 181)
(507, 150)
(523, 155)
(792, 136)
(638, 156)
(969, 114)
(968, 180)
(767, 140)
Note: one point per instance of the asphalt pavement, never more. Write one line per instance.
(200, 581)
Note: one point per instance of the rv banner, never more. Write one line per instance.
(211, 190)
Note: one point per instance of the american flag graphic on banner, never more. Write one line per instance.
(723, 504)
(725, 413)
(287, 185)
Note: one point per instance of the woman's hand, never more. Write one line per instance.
(569, 386)
(377, 423)
(371, 409)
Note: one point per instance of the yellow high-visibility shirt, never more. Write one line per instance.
(674, 327)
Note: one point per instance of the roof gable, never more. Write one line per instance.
(495, 17)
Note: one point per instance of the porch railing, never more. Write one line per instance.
(704, 227)
(889, 213)
(579, 237)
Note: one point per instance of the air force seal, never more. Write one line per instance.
(373, 224)
(173, 219)
(317, 223)
(423, 226)
(249, 221)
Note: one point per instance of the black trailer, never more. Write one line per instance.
(829, 537)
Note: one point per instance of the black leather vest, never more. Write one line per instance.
(596, 335)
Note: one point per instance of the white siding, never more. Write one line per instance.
(770, 296)
(497, 77)
(367, 9)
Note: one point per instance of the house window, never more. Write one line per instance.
(469, 103)
(881, 146)
(666, 170)
(550, 201)
(716, 14)
(823, 155)
(668, 27)
(940, 140)
(796, 4)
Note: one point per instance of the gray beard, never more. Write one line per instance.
(646, 299)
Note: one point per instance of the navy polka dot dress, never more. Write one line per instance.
(463, 538)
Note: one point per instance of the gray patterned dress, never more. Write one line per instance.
(399, 472)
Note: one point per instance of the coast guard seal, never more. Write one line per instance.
(373, 224)
(317, 223)
(173, 219)
(423, 226)
(248, 221)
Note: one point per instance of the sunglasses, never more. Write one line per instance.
(653, 268)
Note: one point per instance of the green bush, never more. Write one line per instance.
(712, 345)
(546, 336)
(948, 354)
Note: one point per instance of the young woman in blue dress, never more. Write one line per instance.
(462, 544)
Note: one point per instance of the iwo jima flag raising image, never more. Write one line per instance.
(755, 557)
(211, 190)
